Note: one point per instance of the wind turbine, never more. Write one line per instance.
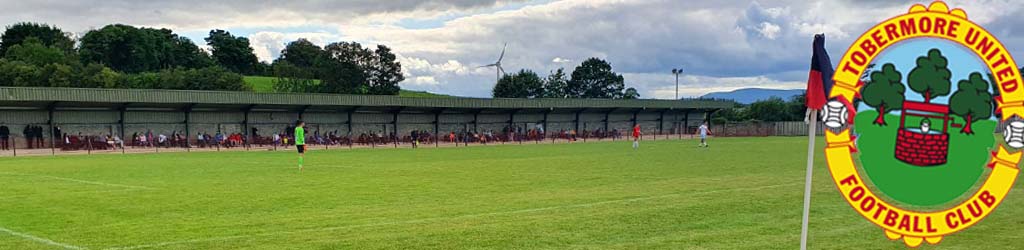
(497, 65)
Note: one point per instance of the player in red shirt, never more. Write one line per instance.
(636, 136)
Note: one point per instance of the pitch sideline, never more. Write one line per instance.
(40, 240)
(79, 180)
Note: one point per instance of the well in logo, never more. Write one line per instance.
(925, 124)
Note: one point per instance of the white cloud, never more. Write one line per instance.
(769, 30)
(560, 60)
(424, 80)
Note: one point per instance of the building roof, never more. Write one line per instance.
(23, 97)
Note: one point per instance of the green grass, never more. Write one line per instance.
(927, 188)
(742, 193)
(413, 93)
(262, 84)
(265, 84)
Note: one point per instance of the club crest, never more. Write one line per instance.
(925, 125)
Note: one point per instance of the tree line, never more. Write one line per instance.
(124, 56)
(773, 109)
(341, 67)
(593, 78)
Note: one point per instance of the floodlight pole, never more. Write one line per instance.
(677, 72)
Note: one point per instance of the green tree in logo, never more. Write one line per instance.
(972, 101)
(884, 92)
(931, 76)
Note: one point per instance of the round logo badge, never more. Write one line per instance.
(924, 124)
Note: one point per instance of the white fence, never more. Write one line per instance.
(794, 128)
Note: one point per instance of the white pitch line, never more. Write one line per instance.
(71, 193)
(530, 210)
(79, 180)
(40, 240)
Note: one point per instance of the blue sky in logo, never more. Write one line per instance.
(962, 62)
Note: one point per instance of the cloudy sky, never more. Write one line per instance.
(720, 44)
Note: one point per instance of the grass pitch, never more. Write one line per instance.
(742, 193)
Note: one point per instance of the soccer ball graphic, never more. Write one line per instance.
(1014, 134)
(834, 114)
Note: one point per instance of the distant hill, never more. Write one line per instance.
(265, 84)
(750, 95)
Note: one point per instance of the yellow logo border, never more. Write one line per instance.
(917, 227)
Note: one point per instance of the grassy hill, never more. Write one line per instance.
(265, 84)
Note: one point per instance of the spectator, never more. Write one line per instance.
(29, 136)
(38, 132)
(162, 140)
(220, 138)
(144, 141)
(5, 135)
(118, 141)
(111, 143)
(415, 138)
(56, 132)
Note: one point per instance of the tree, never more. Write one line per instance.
(180, 51)
(33, 51)
(737, 113)
(796, 107)
(524, 84)
(771, 110)
(231, 52)
(18, 74)
(385, 72)
(631, 93)
(341, 69)
(972, 101)
(594, 78)
(300, 53)
(129, 49)
(341, 77)
(97, 76)
(296, 69)
(931, 77)
(294, 79)
(556, 85)
(351, 52)
(884, 92)
(49, 36)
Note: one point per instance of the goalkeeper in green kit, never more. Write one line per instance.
(300, 140)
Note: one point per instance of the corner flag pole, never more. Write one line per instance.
(812, 126)
(819, 84)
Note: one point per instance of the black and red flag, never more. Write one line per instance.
(819, 82)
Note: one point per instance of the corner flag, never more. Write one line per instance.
(819, 85)
(819, 80)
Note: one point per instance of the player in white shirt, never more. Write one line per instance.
(704, 132)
